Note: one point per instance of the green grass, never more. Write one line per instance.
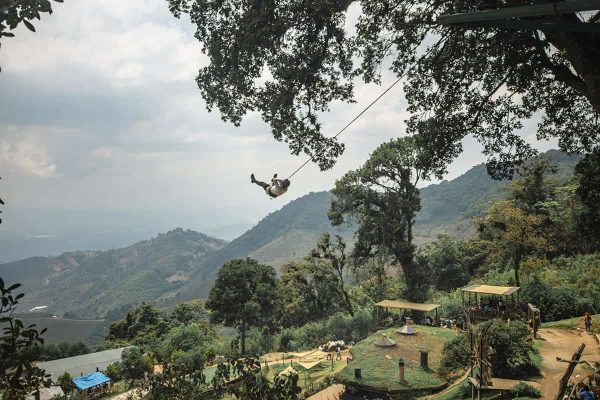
(379, 365)
(567, 323)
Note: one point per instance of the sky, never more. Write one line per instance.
(99, 110)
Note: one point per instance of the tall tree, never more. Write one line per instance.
(334, 255)
(309, 290)
(290, 60)
(383, 199)
(515, 234)
(445, 260)
(244, 294)
(588, 176)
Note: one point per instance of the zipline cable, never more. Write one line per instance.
(357, 117)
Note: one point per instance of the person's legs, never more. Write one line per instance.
(259, 183)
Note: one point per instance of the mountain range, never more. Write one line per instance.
(181, 265)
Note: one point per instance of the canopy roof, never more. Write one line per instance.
(406, 305)
(90, 380)
(490, 289)
(289, 371)
(310, 365)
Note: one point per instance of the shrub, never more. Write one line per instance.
(113, 371)
(455, 355)
(512, 346)
(523, 389)
(361, 324)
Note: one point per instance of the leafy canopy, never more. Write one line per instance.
(289, 60)
(244, 294)
(383, 199)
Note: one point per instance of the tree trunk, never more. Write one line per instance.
(562, 388)
(582, 49)
(517, 264)
(243, 337)
(345, 297)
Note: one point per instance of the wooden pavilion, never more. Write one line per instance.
(500, 302)
(386, 305)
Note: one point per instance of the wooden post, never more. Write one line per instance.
(562, 388)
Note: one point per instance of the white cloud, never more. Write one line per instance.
(27, 155)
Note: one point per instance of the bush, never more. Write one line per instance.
(512, 346)
(555, 303)
(455, 355)
(113, 371)
(523, 389)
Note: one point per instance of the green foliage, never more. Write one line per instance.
(65, 382)
(512, 346)
(382, 198)
(15, 12)
(244, 295)
(195, 311)
(333, 255)
(18, 374)
(113, 371)
(188, 338)
(142, 324)
(523, 389)
(512, 350)
(456, 355)
(134, 364)
(444, 259)
(558, 302)
(312, 60)
(339, 326)
(308, 292)
(48, 352)
(514, 233)
(588, 176)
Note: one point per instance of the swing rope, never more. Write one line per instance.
(355, 118)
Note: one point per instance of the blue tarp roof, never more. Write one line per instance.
(90, 380)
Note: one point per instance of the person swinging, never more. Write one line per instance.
(276, 188)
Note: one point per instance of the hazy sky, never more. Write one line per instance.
(99, 110)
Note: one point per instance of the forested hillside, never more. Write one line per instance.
(181, 265)
(92, 284)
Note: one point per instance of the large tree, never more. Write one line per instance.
(383, 199)
(310, 292)
(289, 60)
(244, 295)
(514, 233)
(333, 254)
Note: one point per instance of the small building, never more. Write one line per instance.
(81, 365)
(92, 385)
(386, 305)
(484, 302)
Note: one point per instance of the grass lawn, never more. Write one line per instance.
(379, 365)
(567, 323)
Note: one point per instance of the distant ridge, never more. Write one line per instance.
(182, 264)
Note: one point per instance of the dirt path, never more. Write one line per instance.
(562, 343)
(330, 393)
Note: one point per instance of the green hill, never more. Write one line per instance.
(92, 283)
(181, 265)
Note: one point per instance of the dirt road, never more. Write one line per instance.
(562, 343)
